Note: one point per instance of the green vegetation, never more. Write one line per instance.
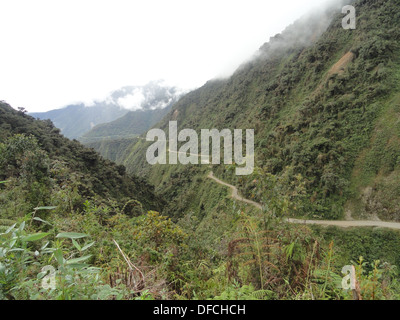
(95, 254)
(131, 125)
(63, 238)
(112, 140)
(37, 160)
(325, 111)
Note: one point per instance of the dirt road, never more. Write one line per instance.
(343, 224)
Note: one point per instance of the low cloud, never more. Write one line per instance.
(132, 101)
(152, 96)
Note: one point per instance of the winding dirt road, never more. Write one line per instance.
(343, 224)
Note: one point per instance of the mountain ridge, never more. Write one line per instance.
(77, 120)
(314, 108)
(88, 172)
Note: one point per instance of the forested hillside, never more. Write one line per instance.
(64, 208)
(324, 104)
(132, 124)
(34, 151)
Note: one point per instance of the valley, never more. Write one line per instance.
(96, 194)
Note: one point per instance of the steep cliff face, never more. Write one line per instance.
(324, 104)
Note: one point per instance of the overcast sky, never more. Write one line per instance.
(57, 52)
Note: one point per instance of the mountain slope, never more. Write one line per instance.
(325, 106)
(132, 124)
(77, 120)
(109, 138)
(65, 162)
(316, 100)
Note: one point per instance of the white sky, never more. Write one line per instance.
(57, 52)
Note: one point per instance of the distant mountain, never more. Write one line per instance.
(155, 106)
(108, 137)
(76, 120)
(325, 106)
(130, 125)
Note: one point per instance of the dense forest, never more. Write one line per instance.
(324, 109)
(325, 105)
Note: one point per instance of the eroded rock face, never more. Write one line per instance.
(379, 202)
(341, 65)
